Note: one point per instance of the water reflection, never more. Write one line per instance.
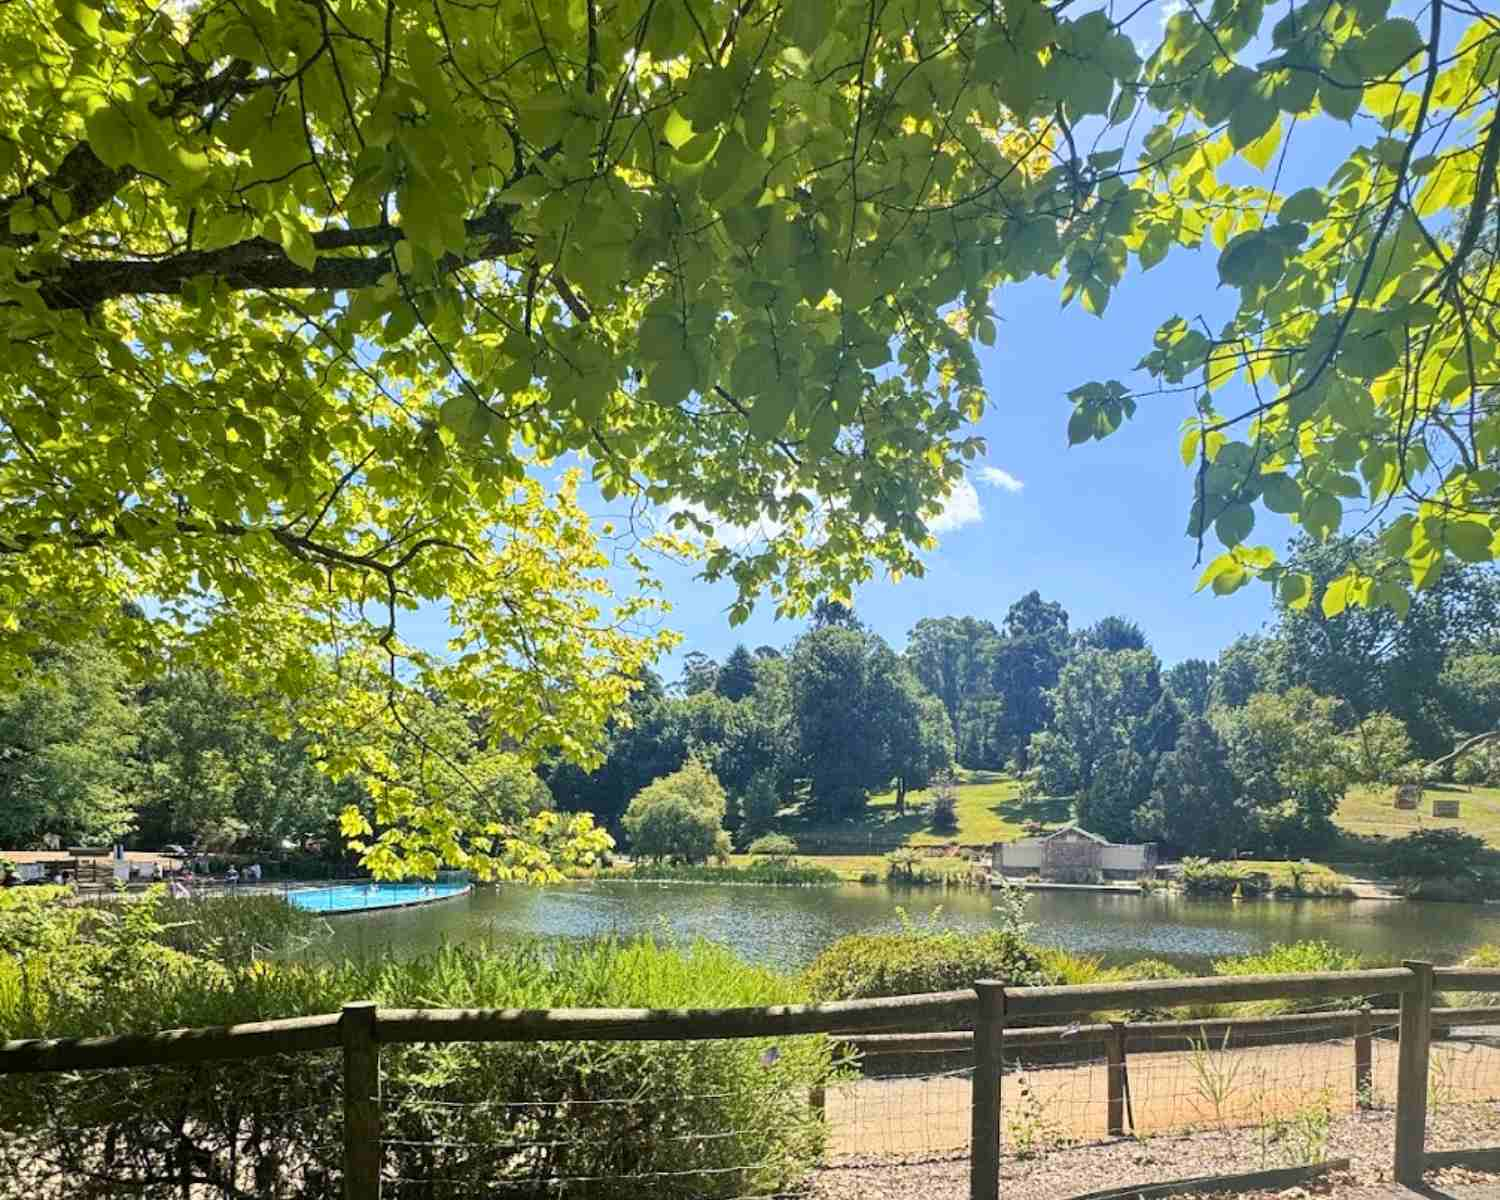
(786, 927)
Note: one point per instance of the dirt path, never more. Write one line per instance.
(1366, 1139)
(1205, 1088)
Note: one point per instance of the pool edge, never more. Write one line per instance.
(349, 912)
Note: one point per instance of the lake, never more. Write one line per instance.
(786, 926)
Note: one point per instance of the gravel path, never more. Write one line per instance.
(1365, 1139)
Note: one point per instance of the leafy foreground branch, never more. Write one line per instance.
(305, 301)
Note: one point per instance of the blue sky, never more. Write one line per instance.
(1098, 527)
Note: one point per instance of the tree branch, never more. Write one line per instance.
(260, 264)
(82, 177)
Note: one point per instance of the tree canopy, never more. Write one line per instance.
(308, 305)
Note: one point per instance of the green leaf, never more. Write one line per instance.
(771, 411)
(1252, 119)
(1321, 514)
(1234, 524)
(1340, 102)
(1336, 596)
(1220, 565)
(1387, 47)
(1469, 540)
(1368, 355)
(1281, 493)
(1303, 207)
(698, 147)
(111, 135)
(1231, 580)
(1260, 152)
(677, 130)
(468, 418)
(1295, 590)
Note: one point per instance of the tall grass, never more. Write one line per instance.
(672, 1119)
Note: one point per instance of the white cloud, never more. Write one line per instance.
(1003, 480)
(1170, 8)
(960, 509)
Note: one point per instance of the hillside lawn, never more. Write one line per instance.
(1371, 810)
(990, 810)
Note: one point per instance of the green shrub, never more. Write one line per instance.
(1292, 958)
(1428, 853)
(1208, 877)
(495, 1119)
(773, 845)
(1063, 967)
(862, 965)
(943, 809)
(679, 817)
(761, 871)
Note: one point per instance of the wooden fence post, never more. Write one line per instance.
(1411, 1076)
(984, 1141)
(1114, 1057)
(1364, 1081)
(361, 1102)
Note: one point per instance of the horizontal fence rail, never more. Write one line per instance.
(976, 1022)
(936, 1009)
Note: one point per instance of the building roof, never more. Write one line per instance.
(1074, 828)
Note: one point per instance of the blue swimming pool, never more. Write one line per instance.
(358, 897)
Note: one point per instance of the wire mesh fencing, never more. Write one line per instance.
(268, 1128)
(712, 1119)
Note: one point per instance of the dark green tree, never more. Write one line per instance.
(736, 678)
(1190, 683)
(1470, 691)
(1112, 633)
(1239, 673)
(1106, 702)
(853, 703)
(1192, 807)
(699, 673)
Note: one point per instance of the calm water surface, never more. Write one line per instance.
(786, 927)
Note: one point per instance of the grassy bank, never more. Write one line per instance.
(742, 868)
(989, 810)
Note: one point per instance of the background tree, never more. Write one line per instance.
(1190, 683)
(1112, 633)
(736, 678)
(856, 716)
(1193, 807)
(1373, 658)
(1469, 687)
(699, 674)
(1239, 673)
(1289, 762)
(67, 734)
(919, 739)
(944, 653)
(1377, 747)
(680, 816)
(1103, 701)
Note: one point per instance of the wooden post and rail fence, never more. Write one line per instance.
(987, 1014)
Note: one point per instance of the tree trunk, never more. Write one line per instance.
(900, 795)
